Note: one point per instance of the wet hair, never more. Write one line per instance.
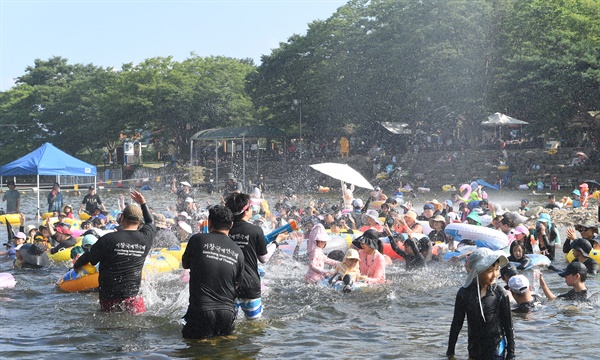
(236, 203)
(337, 255)
(499, 218)
(380, 246)
(551, 196)
(220, 217)
(132, 213)
(515, 244)
(508, 222)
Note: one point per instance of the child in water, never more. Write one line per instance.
(317, 258)
(517, 255)
(487, 307)
(348, 270)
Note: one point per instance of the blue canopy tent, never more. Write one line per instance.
(47, 160)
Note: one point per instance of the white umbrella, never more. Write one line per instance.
(344, 173)
(499, 119)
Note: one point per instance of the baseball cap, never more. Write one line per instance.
(574, 268)
(509, 270)
(521, 229)
(518, 284)
(428, 207)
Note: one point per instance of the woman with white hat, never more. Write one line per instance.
(487, 307)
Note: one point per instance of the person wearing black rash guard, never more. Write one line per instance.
(121, 256)
(216, 266)
(251, 240)
(414, 258)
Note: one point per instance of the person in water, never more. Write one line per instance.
(348, 270)
(121, 255)
(575, 276)
(517, 255)
(519, 289)
(581, 251)
(251, 240)
(412, 254)
(317, 259)
(216, 266)
(372, 262)
(487, 307)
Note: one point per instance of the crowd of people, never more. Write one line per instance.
(226, 243)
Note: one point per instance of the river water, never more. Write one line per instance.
(408, 318)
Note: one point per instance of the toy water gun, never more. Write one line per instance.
(291, 226)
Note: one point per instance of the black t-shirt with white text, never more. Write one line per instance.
(216, 266)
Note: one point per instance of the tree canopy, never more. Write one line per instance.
(436, 65)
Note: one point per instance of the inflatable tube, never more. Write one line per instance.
(175, 251)
(84, 216)
(75, 224)
(339, 285)
(13, 219)
(323, 189)
(448, 187)
(376, 204)
(425, 225)
(7, 280)
(47, 215)
(159, 262)
(483, 236)
(594, 254)
(87, 279)
(347, 236)
(423, 189)
(502, 167)
(387, 248)
(487, 184)
(523, 187)
(537, 260)
(63, 254)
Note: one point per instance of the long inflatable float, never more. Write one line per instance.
(482, 236)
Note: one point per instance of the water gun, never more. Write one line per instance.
(291, 226)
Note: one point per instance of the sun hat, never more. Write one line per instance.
(34, 254)
(352, 254)
(521, 229)
(576, 192)
(185, 226)
(518, 284)
(88, 240)
(582, 245)
(185, 183)
(411, 214)
(509, 270)
(574, 268)
(160, 221)
(230, 177)
(480, 260)
(438, 218)
(585, 226)
(29, 228)
(373, 214)
(475, 217)
(185, 215)
(369, 238)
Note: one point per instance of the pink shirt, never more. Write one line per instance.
(372, 266)
(316, 265)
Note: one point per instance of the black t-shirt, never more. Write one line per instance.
(573, 295)
(251, 240)
(216, 266)
(91, 202)
(121, 255)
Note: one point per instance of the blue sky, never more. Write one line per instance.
(110, 33)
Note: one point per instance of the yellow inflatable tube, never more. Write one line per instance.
(63, 254)
(160, 262)
(13, 219)
(594, 254)
(176, 252)
(87, 279)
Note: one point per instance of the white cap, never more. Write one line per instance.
(518, 284)
(189, 199)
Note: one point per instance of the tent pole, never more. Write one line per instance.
(217, 163)
(232, 154)
(38, 197)
(257, 156)
(192, 162)
(244, 161)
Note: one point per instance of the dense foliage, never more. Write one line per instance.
(438, 65)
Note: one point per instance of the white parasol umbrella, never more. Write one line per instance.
(344, 173)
